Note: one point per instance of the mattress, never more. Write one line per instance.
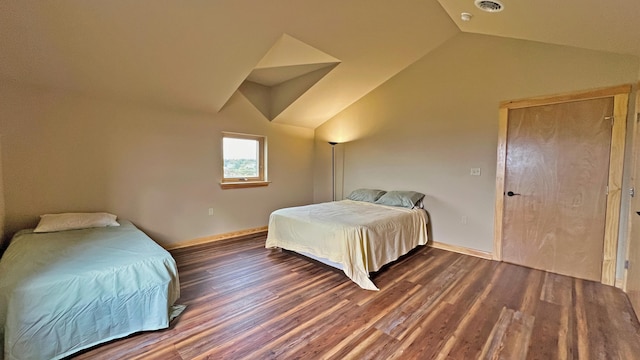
(65, 291)
(360, 236)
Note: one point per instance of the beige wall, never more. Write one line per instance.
(159, 167)
(428, 126)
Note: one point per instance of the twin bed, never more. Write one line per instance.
(358, 235)
(64, 291)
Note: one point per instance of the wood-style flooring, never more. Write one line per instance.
(247, 302)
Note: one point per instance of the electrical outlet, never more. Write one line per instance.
(210, 211)
(475, 171)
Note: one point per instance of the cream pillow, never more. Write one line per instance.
(73, 221)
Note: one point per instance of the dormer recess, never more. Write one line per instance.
(288, 70)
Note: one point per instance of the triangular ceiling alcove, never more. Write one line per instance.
(286, 71)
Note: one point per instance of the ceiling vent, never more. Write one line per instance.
(489, 5)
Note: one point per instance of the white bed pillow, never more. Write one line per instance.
(74, 221)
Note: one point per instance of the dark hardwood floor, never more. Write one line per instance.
(247, 302)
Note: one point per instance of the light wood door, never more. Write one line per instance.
(633, 272)
(557, 164)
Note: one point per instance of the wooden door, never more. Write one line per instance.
(557, 165)
(620, 95)
(633, 272)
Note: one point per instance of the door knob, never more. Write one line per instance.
(511, 193)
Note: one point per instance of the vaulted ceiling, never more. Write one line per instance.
(298, 62)
(611, 26)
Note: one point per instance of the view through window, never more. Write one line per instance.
(243, 157)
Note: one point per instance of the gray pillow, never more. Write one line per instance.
(407, 199)
(368, 195)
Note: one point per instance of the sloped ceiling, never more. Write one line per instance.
(611, 26)
(196, 54)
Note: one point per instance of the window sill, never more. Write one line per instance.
(243, 184)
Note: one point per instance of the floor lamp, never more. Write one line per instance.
(333, 170)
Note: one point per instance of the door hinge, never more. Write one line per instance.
(606, 191)
(632, 192)
(610, 118)
(626, 264)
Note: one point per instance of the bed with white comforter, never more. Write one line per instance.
(360, 236)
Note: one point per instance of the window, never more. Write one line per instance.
(244, 161)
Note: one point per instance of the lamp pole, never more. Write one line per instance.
(333, 170)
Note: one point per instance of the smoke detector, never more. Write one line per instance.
(489, 5)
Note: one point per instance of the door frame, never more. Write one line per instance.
(616, 161)
(635, 175)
